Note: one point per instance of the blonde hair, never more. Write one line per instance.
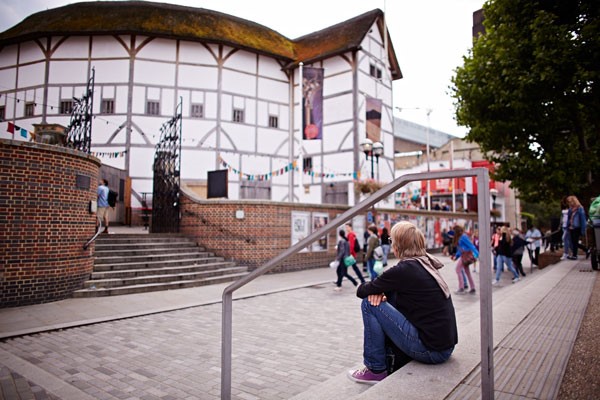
(573, 201)
(407, 240)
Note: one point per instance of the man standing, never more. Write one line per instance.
(351, 241)
(534, 242)
(103, 203)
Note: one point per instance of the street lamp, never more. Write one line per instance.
(377, 152)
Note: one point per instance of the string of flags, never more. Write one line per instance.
(109, 154)
(12, 128)
(293, 166)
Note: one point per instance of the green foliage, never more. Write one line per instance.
(541, 214)
(529, 92)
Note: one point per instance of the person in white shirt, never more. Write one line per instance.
(534, 243)
(564, 223)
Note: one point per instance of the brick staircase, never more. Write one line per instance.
(150, 262)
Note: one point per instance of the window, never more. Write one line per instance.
(273, 121)
(197, 111)
(107, 106)
(152, 107)
(2, 113)
(238, 115)
(66, 106)
(375, 72)
(29, 109)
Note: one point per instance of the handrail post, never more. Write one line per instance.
(486, 320)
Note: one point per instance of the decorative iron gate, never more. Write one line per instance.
(79, 131)
(167, 162)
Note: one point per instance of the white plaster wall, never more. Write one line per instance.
(73, 47)
(8, 77)
(121, 99)
(109, 47)
(139, 100)
(8, 56)
(238, 82)
(154, 73)
(271, 141)
(111, 71)
(201, 77)
(196, 53)
(270, 67)
(241, 61)
(68, 72)
(338, 108)
(277, 91)
(30, 52)
(159, 49)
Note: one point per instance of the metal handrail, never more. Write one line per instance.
(87, 244)
(483, 190)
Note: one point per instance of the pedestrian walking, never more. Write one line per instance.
(354, 245)
(504, 257)
(466, 254)
(343, 251)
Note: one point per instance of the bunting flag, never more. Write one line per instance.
(111, 154)
(293, 166)
(13, 129)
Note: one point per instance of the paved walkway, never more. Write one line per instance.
(291, 332)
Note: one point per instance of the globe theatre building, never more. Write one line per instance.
(237, 82)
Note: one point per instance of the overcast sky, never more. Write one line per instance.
(430, 38)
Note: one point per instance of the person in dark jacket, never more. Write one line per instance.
(504, 256)
(343, 251)
(517, 250)
(410, 304)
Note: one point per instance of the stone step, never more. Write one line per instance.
(102, 239)
(157, 286)
(155, 264)
(161, 278)
(131, 273)
(127, 258)
(144, 251)
(140, 245)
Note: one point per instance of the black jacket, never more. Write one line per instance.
(417, 295)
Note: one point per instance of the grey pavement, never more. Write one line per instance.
(291, 333)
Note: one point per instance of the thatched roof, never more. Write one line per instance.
(194, 24)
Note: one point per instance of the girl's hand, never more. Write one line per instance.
(376, 299)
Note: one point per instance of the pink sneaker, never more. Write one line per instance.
(366, 376)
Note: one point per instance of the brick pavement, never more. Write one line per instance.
(283, 342)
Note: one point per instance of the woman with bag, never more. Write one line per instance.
(466, 254)
(345, 260)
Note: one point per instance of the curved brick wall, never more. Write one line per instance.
(44, 196)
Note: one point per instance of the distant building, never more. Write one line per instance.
(448, 152)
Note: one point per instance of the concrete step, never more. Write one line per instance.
(132, 273)
(161, 278)
(156, 264)
(164, 256)
(157, 286)
(145, 251)
(103, 239)
(140, 245)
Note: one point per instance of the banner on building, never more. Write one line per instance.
(312, 103)
(374, 119)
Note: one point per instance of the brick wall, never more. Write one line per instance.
(265, 231)
(44, 221)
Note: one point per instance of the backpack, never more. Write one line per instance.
(356, 245)
(112, 198)
(378, 253)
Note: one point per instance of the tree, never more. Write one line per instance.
(529, 92)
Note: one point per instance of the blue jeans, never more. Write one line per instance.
(566, 237)
(386, 252)
(371, 268)
(501, 261)
(384, 320)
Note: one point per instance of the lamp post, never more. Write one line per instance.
(377, 152)
(372, 150)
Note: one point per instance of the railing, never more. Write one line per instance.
(485, 276)
(87, 244)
